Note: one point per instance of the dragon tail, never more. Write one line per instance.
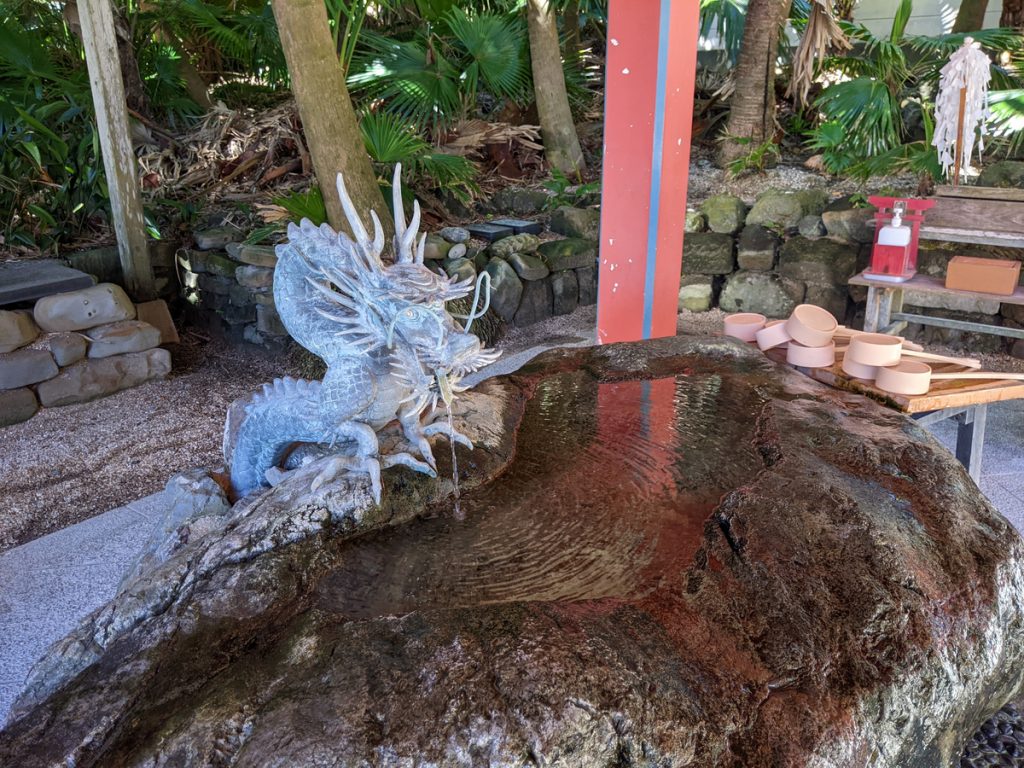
(258, 436)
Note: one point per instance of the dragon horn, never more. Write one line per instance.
(358, 230)
(398, 208)
(409, 238)
(421, 249)
(378, 235)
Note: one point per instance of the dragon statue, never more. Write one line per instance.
(391, 348)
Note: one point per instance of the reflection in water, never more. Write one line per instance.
(607, 496)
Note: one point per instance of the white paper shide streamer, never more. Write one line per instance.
(968, 71)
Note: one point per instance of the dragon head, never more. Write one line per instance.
(397, 310)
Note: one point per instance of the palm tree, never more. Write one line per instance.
(971, 16)
(561, 144)
(328, 118)
(1013, 14)
(752, 112)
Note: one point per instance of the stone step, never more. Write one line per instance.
(31, 280)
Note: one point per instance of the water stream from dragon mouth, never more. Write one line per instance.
(608, 496)
(459, 515)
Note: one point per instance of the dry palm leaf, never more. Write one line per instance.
(822, 34)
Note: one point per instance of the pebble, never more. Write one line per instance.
(455, 234)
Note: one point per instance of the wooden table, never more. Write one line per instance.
(964, 401)
(884, 312)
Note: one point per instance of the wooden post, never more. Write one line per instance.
(100, 41)
(958, 160)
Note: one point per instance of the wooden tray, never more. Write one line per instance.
(943, 394)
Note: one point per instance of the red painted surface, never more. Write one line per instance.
(631, 160)
(887, 259)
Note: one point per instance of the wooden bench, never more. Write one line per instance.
(979, 215)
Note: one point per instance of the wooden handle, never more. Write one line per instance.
(990, 375)
(966, 362)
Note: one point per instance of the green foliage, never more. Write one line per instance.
(433, 78)
(391, 140)
(304, 205)
(566, 191)
(1007, 123)
(862, 132)
(728, 19)
(757, 159)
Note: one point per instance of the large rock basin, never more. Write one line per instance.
(665, 554)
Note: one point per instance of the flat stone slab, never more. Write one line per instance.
(490, 232)
(31, 280)
(519, 226)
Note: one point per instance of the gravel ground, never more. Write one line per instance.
(67, 464)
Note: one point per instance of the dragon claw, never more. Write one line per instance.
(442, 428)
(408, 460)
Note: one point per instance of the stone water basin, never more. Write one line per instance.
(672, 554)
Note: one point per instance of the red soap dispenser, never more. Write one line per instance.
(898, 225)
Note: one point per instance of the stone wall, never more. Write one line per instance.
(77, 346)
(532, 278)
(803, 247)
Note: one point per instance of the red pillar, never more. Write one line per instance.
(651, 68)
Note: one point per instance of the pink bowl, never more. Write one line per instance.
(811, 325)
(811, 357)
(859, 370)
(744, 325)
(774, 334)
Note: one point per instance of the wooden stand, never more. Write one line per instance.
(958, 158)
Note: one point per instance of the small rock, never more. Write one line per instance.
(17, 405)
(212, 263)
(844, 221)
(756, 248)
(68, 348)
(254, 277)
(764, 292)
(455, 234)
(587, 279)
(708, 253)
(436, 248)
(256, 255)
(570, 253)
(86, 308)
(776, 209)
(460, 269)
(217, 237)
(812, 226)
(506, 288)
(827, 296)
(565, 292)
(812, 201)
(26, 366)
(536, 303)
(725, 214)
(215, 284)
(458, 251)
(479, 259)
(1004, 173)
(696, 293)
(523, 243)
(817, 261)
(526, 266)
(268, 321)
(90, 379)
(695, 221)
(576, 222)
(519, 200)
(17, 328)
(157, 314)
(121, 337)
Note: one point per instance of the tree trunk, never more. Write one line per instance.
(571, 29)
(328, 118)
(561, 145)
(1013, 14)
(752, 110)
(971, 16)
